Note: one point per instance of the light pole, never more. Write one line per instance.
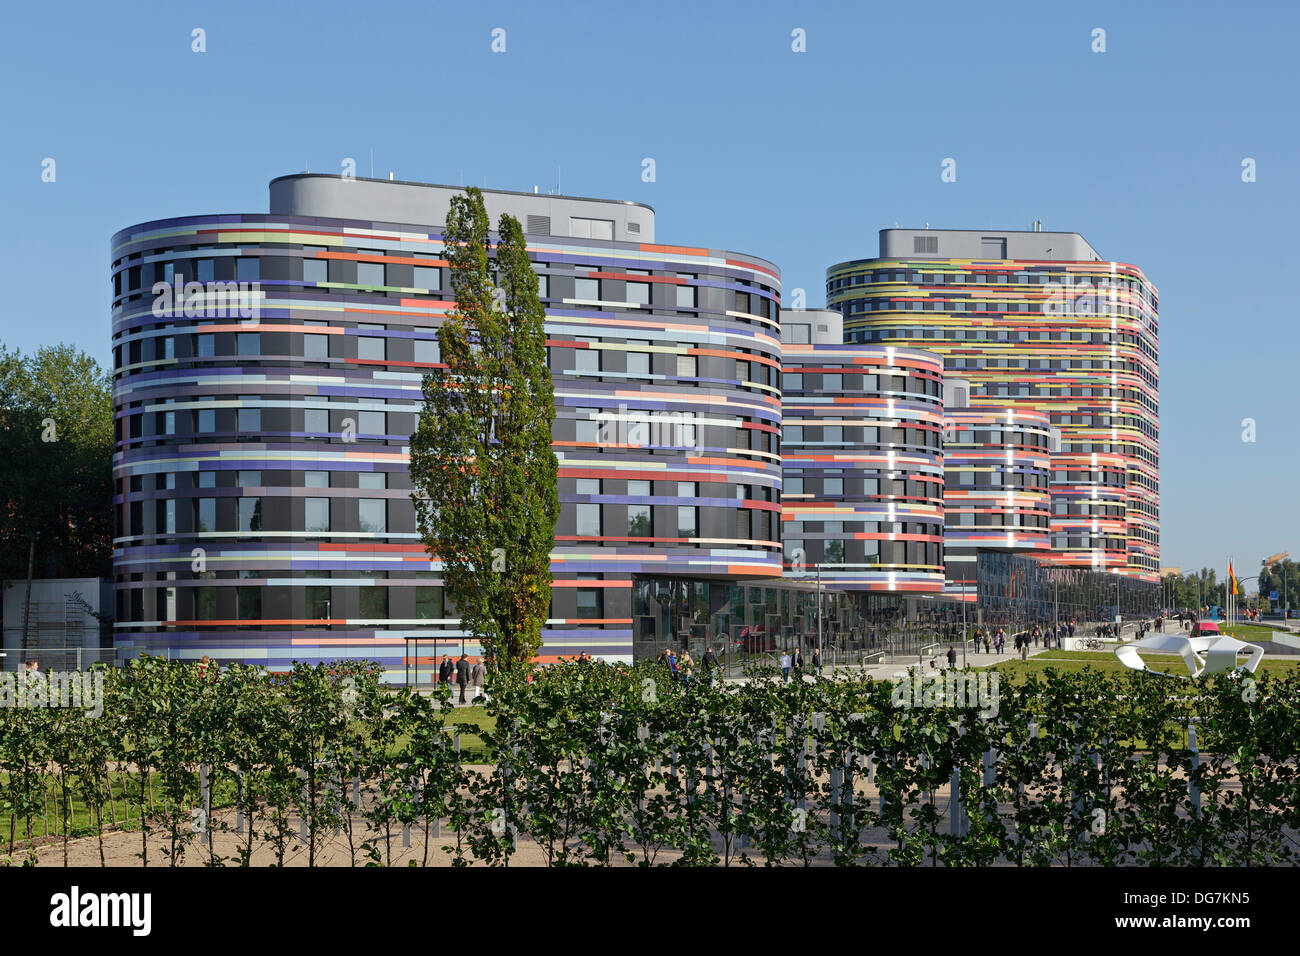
(819, 608)
(964, 636)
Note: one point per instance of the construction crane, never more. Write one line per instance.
(1275, 558)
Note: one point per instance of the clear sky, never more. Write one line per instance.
(796, 157)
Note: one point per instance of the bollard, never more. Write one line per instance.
(836, 786)
(303, 832)
(991, 778)
(406, 827)
(956, 825)
(356, 782)
(1194, 792)
(205, 799)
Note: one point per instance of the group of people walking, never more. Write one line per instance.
(794, 662)
(464, 674)
(681, 667)
(1050, 637)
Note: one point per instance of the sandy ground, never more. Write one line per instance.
(122, 848)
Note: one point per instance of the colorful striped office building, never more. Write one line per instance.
(1037, 322)
(863, 490)
(267, 374)
(997, 474)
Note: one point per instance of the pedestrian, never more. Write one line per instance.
(785, 665)
(462, 675)
(672, 663)
(710, 663)
(817, 662)
(445, 670)
(478, 674)
(987, 647)
(797, 662)
(952, 656)
(1024, 651)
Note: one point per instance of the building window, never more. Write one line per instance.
(587, 520)
(205, 346)
(587, 429)
(372, 515)
(685, 293)
(374, 603)
(317, 514)
(207, 270)
(792, 381)
(833, 486)
(372, 423)
(248, 343)
(428, 351)
(249, 602)
(428, 603)
(832, 383)
(640, 521)
(686, 366)
(370, 273)
(586, 290)
(638, 293)
(792, 435)
(427, 277)
(371, 347)
(793, 486)
(315, 270)
(316, 479)
(316, 347)
(686, 522)
(316, 602)
(250, 420)
(205, 514)
(250, 514)
(372, 480)
(248, 269)
(316, 421)
(587, 360)
(591, 605)
(638, 363)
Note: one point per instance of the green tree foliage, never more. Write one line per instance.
(482, 468)
(599, 764)
(56, 441)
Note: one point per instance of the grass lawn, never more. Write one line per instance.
(1106, 661)
(1253, 633)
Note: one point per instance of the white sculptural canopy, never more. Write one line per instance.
(1212, 654)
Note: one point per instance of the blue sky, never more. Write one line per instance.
(799, 158)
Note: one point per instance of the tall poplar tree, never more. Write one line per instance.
(482, 469)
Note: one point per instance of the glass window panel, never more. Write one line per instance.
(372, 514)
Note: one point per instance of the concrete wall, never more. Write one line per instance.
(968, 244)
(812, 327)
(382, 200)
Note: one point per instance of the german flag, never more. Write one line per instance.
(1232, 579)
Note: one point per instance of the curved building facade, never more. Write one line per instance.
(997, 475)
(1036, 321)
(263, 498)
(863, 463)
